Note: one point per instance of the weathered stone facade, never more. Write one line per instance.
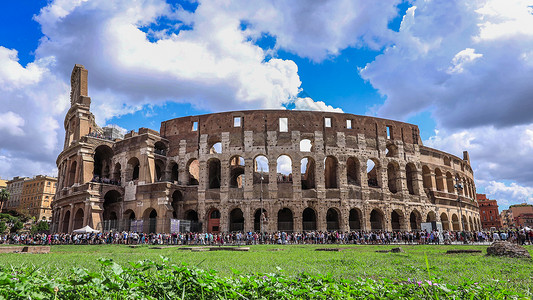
(312, 168)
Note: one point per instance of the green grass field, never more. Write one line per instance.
(352, 262)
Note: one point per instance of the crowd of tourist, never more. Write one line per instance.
(520, 237)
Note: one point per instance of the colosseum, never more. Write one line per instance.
(261, 169)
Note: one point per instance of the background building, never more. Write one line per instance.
(488, 211)
(14, 187)
(295, 170)
(506, 217)
(3, 183)
(37, 196)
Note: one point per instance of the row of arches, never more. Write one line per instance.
(445, 182)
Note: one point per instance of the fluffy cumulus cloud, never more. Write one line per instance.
(470, 63)
(148, 52)
(310, 104)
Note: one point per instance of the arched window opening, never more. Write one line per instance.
(214, 170)
(307, 168)
(78, 219)
(284, 169)
(376, 220)
(216, 148)
(237, 172)
(395, 221)
(309, 219)
(447, 161)
(191, 215)
(257, 220)
(306, 145)
(391, 150)
(194, 172)
(431, 217)
(261, 169)
(102, 162)
(285, 220)
(160, 148)
(112, 205)
(133, 169)
(445, 222)
(449, 183)
(372, 167)
(414, 220)
(393, 175)
(174, 173)
(352, 171)
(354, 219)
(411, 176)
(330, 172)
(213, 221)
(177, 203)
(150, 220)
(66, 220)
(439, 179)
(426, 180)
(332, 220)
(236, 220)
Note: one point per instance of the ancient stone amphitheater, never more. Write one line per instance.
(218, 172)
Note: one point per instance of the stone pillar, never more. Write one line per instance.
(86, 212)
(71, 219)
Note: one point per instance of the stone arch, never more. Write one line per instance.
(236, 220)
(455, 222)
(411, 175)
(216, 148)
(393, 177)
(103, 155)
(449, 182)
(306, 145)
(133, 169)
(191, 215)
(150, 220)
(257, 219)
(373, 173)
(128, 216)
(354, 219)
(309, 219)
(237, 166)
(213, 220)
(193, 172)
(439, 180)
(431, 216)
(260, 169)
(445, 221)
(285, 220)
(330, 172)
(426, 176)
(112, 206)
(160, 148)
(464, 221)
(415, 219)
(213, 173)
(377, 219)
(284, 169)
(307, 170)
(391, 150)
(353, 170)
(470, 223)
(397, 219)
(332, 219)
(78, 219)
(66, 220)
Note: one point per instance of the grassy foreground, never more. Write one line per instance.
(352, 263)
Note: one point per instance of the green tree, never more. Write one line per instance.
(4, 195)
(17, 226)
(3, 227)
(41, 226)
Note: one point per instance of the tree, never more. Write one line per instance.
(41, 226)
(3, 227)
(17, 226)
(4, 195)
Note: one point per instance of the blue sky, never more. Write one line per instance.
(460, 70)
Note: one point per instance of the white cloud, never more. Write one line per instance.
(309, 104)
(463, 58)
(508, 194)
(11, 123)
